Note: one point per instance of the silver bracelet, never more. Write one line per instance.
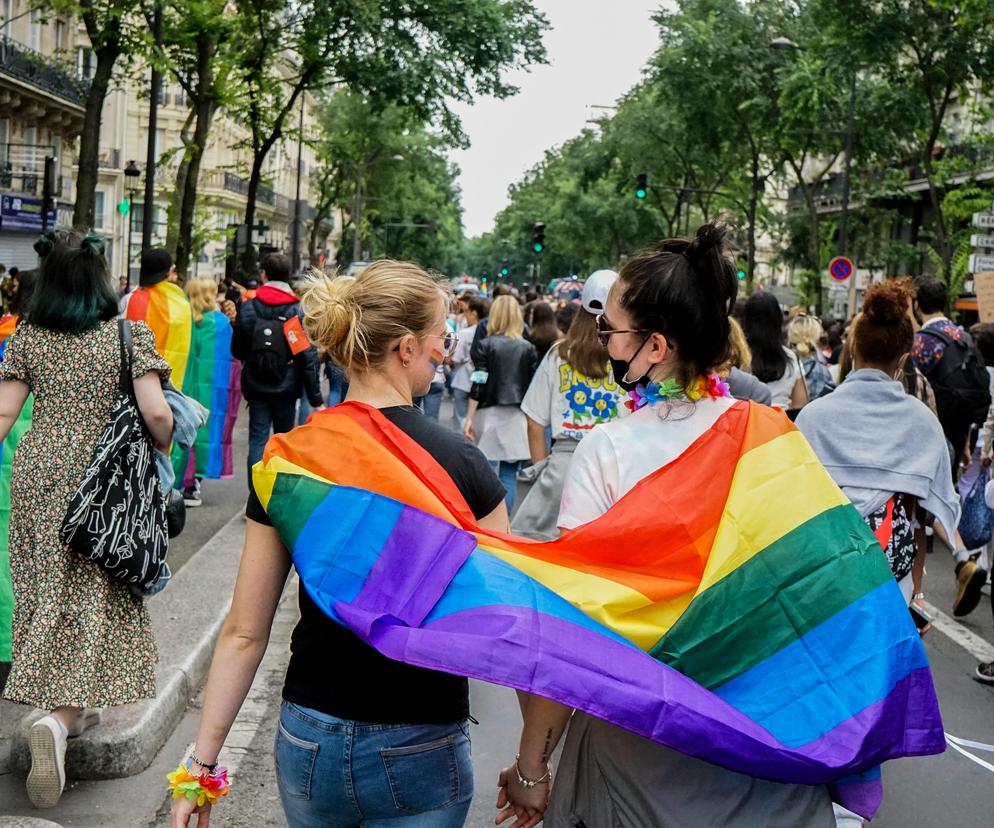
(531, 783)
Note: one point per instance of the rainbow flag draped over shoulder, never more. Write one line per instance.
(165, 308)
(212, 379)
(7, 449)
(732, 606)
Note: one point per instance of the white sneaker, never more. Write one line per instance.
(47, 777)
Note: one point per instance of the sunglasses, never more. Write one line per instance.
(449, 342)
(605, 331)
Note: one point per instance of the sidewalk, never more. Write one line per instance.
(186, 619)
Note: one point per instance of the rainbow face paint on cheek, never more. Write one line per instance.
(435, 358)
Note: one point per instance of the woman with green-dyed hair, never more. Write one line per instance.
(81, 642)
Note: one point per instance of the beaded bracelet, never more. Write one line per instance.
(207, 788)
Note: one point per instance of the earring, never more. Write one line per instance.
(406, 363)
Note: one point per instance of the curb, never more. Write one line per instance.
(26, 822)
(130, 736)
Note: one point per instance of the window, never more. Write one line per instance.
(99, 210)
(84, 64)
(34, 30)
(61, 32)
(180, 98)
(8, 12)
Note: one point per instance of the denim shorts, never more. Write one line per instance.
(337, 773)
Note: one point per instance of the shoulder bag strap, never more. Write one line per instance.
(127, 382)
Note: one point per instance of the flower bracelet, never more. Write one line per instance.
(206, 788)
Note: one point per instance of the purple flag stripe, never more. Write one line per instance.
(538, 653)
(397, 585)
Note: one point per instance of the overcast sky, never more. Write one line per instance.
(596, 51)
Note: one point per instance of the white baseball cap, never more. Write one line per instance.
(596, 289)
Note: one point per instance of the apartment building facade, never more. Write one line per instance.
(45, 69)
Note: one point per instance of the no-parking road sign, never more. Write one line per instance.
(840, 268)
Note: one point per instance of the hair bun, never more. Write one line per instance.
(886, 302)
(709, 237)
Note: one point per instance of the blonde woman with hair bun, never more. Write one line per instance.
(803, 334)
(360, 737)
(504, 365)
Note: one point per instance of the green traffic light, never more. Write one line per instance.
(640, 193)
(741, 274)
(504, 271)
(537, 247)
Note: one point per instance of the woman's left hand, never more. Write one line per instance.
(527, 805)
(467, 429)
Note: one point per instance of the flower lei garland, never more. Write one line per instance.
(711, 386)
(201, 789)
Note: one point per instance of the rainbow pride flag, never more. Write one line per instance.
(7, 449)
(732, 606)
(212, 379)
(165, 308)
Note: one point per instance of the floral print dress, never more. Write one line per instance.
(79, 639)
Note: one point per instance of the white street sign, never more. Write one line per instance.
(986, 242)
(983, 219)
(980, 263)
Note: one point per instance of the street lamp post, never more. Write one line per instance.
(131, 176)
(360, 168)
(295, 258)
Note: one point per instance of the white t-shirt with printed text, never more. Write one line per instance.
(570, 401)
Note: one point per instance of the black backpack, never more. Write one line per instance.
(960, 382)
(269, 354)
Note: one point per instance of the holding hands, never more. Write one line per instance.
(523, 796)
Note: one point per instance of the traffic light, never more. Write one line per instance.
(641, 185)
(483, 281)
(538, 237)
(504, 270)
(741, 271)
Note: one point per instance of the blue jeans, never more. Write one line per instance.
(303, 409)
(431, 403)
(337, 773)
(338, 384)
(460, 406)
(508, 474)
(267, 414)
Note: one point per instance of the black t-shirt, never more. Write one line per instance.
(331, 669)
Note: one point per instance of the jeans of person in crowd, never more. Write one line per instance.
(338, 384)
(303, 409)
(508, 474)
(337, 773)
(431, 403)
(267, 415)
(460, 406)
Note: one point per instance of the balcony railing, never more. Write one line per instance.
(25, 64)
(22, 167)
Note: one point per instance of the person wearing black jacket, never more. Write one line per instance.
(274, 375)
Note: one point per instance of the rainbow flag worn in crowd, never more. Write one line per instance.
(732, 606)
(212, 379)
(7, 449)
(165, 308)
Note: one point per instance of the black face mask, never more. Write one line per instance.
(620, 368)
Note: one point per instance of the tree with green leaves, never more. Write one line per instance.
(198, 51)
(115, 31)
(418, 56)
(933, 55)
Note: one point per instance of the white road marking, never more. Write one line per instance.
(952, 742)
(976, 646)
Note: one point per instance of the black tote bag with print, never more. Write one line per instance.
(117, 517)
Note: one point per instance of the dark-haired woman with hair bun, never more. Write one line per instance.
(666, 329)
(81, 641)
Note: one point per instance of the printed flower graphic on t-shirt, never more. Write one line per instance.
(579, 398)
(604, 406)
